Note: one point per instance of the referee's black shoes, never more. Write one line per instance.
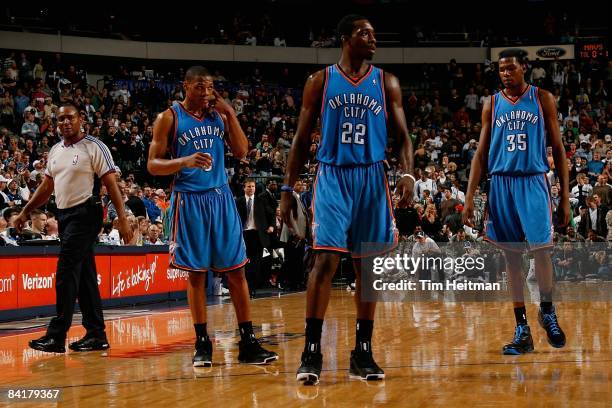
(90, 343)
(48, 344)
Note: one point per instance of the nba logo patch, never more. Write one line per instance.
(75, 159)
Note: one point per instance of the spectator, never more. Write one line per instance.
(565, 263)
(15, 194)
(594, 219)
(448, 203)
(269, 197)
(430, 223)
(143, 226)
(280, 41)
(538, 74)
(39, 71)
(251, 39)
(38, 221)
(5, 201)
(135, 204)
(7, 110)
(137, 239)
(9, 235)
(424, 183)
(114, 238)
(471, 104)
(453, 220)
(582, 190)
(294, 238)
(52, 231)
(149, 198)
(29, 129)
(153, 236)
(595, 166)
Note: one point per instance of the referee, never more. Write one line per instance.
(74, 170)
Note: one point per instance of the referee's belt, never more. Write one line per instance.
(90, 202)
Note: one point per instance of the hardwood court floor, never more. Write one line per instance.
(434, 354)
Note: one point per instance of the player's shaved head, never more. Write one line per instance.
(517, 53)
(195, 72)
(347, 24)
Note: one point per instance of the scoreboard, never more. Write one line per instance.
(588, 50)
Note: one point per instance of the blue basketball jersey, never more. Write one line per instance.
(353, 118)
(518, 137)
(194, 135)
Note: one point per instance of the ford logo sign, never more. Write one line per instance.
(550, 52)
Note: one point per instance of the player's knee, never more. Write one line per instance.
(196, 278)
(324, 267)
(542, 255)
(320, 276)
(513, 260)
(236, 276)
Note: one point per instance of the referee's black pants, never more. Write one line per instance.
(76, 276)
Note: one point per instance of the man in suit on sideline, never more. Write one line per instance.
(257, 224)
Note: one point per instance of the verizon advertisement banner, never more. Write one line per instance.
(36, 283)
(543, 52)
(29, 281)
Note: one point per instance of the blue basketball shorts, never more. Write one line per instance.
(352, 210)
(206, 231)
(519, 211)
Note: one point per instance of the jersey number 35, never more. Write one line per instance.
(516, 142)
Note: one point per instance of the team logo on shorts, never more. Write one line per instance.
(75, 159)
(172, 247)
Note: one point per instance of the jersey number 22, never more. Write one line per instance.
(349, 137)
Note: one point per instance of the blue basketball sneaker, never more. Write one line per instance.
(522, 342)
(548, 321)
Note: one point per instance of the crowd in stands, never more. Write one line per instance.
(269, 25)
(443, 118)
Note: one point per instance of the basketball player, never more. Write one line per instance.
(351, 203)
(517, 125)
(206, 232)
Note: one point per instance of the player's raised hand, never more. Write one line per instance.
(405, 190)
(198, 160)
(467, 216)
(221, 104)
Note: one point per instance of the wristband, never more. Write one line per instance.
(409, 175)
(286, 189)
